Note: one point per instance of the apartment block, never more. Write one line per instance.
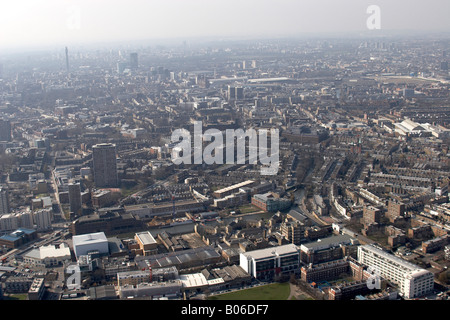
(411, 280)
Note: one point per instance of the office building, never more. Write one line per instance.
(104, 165)
(265, 264)
(411, 280)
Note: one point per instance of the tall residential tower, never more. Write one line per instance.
(104, 165)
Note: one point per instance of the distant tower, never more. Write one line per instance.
(105, 165)
(67, 60)
(134, 60)
(239, 93)
(5, 130)
(75, 197)
(121, 66)
(4, 201)
(231, 93)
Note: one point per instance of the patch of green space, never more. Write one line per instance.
(23, 296)
(248, 208)
(274, 291)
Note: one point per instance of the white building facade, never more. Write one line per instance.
(91, 242)
(48, 256)
(264, 264)
(412, 281)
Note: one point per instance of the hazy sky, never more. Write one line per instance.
(66, 22)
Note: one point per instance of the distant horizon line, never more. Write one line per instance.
(203, 39)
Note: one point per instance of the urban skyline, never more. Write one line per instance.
(232, 157)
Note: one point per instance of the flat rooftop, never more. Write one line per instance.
(50, 251)
(413, 269)
(235, 186)
(326, 243)
(89, 238)
(145, 237)
(272, 252)
(193, 280)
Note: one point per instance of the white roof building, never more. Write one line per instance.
(90, 242)
(193, 280)
(48, 256)
(409, 127)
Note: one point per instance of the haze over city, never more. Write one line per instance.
(225, 150)
(34, 24)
